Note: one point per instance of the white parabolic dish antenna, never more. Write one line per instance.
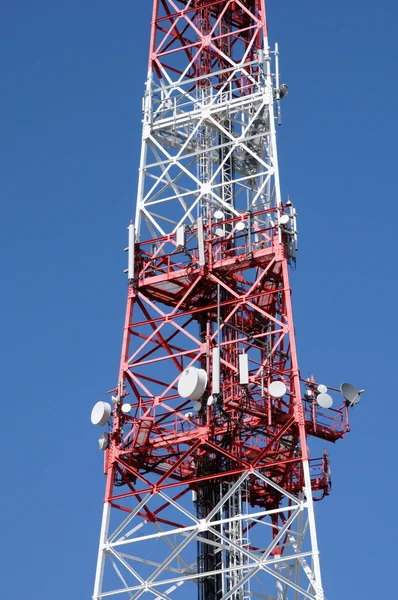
(192, 383)
(219, 214)
(101, 413)
(322, 389)
(240, 226)
(350, 393)
(277, 389)
(103, 441)
(284, 220)
(324, 400)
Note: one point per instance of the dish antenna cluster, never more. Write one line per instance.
(100, 415)
(220, 232)
(325, 400)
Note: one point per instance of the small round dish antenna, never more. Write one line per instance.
(322, 389)
(210, 400)
(101, 413)
(197, 406)
(324, 400)
(126, 408)
(103, 441)
(277, 389)
(220, 232)
(240, 226)
(219, 214)
(284, 220)
(351, 394)
(192, 383)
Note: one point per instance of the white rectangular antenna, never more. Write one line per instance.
(201, 242)
(131, 249)
(144, 431)
(216, 371)
(243, 369)
(180, 237)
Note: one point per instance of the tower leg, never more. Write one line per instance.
(313, 535)
(99, 575)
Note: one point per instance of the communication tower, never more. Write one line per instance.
(209, 488)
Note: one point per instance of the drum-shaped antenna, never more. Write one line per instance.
(101, 413)
(277, 389)
(192, 383)
(324, 400)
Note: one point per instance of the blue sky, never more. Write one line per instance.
(72, 80)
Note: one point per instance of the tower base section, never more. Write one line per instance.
(160, 546)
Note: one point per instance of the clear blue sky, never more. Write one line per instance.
(72, 76)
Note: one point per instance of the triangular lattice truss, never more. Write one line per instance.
(209, 133)
(211, 497)
(153, 551)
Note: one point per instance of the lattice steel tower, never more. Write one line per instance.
(209, 489)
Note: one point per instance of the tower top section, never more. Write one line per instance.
(220, 30)
(209, 116)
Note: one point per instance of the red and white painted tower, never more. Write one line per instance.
(209, 488)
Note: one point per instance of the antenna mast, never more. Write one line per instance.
(209, 488)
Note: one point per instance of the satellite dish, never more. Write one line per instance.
(277, 389)
(308, 395)
(324, 400)
(101, 413)
(220, 232)
(126, 408)
(197, 406)
(284, 220)
(192, 383)
(351, 394)
(219, 214)
(322, 389)
(240, 226)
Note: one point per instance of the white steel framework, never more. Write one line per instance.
(139, 558)
(192, 133)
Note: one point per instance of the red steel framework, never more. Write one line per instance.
(207, 288)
